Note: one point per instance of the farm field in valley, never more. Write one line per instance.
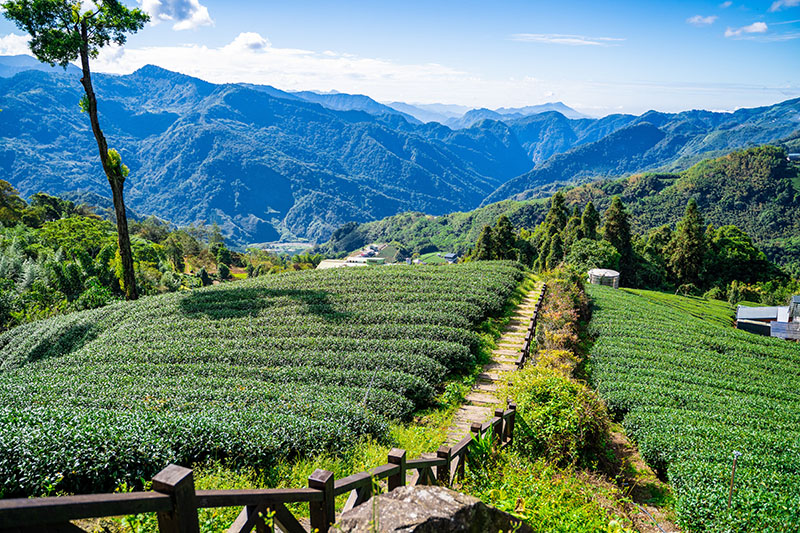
(247, 372)
(691, 392)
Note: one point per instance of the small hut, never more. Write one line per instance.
(604, 276)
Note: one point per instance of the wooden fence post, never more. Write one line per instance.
(475, 430)
(178, 482)
(499, 429)
(397, 457)
(443, 471)
(323, 514)
(511, 418)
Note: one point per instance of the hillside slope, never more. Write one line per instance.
(752, 189)
(247, 372)
(693, 393)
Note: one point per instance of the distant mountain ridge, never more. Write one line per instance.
(267, 164)
(263, 164)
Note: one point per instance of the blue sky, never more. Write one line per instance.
(599, 57)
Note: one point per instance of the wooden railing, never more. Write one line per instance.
(176, 502)
(530, 335)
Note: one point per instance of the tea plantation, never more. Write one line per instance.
(248, 372)
(692, 392)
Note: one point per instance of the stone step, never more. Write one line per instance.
(482, 398)
(509, 360)
(505, 352)
(488, 376)
(515, 346)
(485, 387)
(499, 367)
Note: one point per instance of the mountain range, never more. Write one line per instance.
(269, 165)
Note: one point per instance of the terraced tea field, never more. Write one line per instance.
(248, 372)
(692, 392)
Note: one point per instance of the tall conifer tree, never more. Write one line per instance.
(688, 247)
(590, 220)
(617, 231)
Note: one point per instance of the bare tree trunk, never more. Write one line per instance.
(115, 177)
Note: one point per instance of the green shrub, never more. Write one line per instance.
(558, 418)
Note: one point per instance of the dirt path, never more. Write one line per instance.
(481, 401)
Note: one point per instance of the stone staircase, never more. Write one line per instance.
(482, 400)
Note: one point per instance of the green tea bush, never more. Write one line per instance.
(692, 391)
(245, 373)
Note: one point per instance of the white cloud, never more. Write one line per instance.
(756, 27)
(780, 4)
(699, 20)
(13, 45)
(249, 42)
(186, 14)
(568, 40)
(726, 5)
(250, 58)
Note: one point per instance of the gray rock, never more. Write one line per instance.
(427, 510)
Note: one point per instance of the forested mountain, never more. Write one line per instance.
(266, 164)
(261, 165)
(616, 145)
(755, 189)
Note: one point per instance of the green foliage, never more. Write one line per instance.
(587, 254)
(78, 234)
(617, 231)
(55, 26)
(485, 247)
(310, 360)
(691, 392)
(590, 221)
(223, 271)
(547, 497)
(11, 205)
(559, 419)
(688, 247)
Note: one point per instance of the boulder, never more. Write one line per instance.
(427, 509)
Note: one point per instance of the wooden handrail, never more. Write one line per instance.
(242, 497)
(17, 512)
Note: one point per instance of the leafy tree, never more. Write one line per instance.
(590, 221)
(205, 279)
(688, 247)
(557, 215)
(485, 247)
(733, 256)
(556, 252)
(573, 232)
(61, 32)
(504, 239)
(586, 254)
(11, 205)
(223, 255)
(77, 234)
(223, 272)
(617, 231)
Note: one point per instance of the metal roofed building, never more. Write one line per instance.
(774, 321)
(762, 314)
